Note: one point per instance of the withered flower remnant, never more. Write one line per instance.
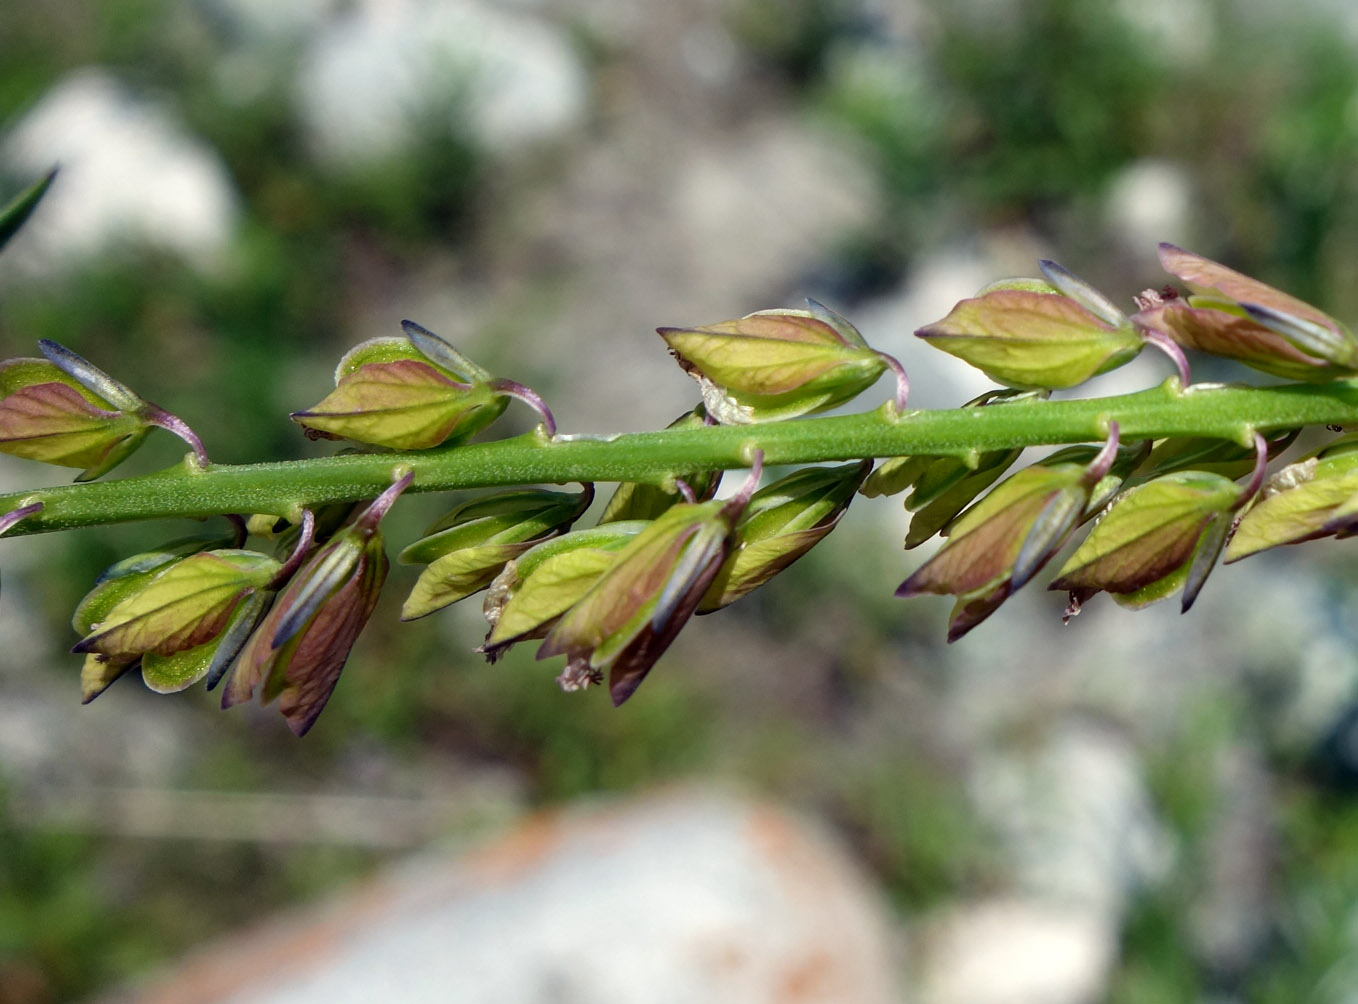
(470, 545)
(1232, 315)
(778, 364)
(412, 393)
(297, 652)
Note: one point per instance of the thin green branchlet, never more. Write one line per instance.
(1161, 483)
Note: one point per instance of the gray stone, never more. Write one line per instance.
(682, 898)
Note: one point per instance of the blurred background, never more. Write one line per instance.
(1134, 808)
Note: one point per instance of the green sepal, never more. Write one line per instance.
(1150, 532)
(180, 607)
(404, 404)
(457, 575)
(774, 365)
(555, 585)
(173, 673)
(1311, 498)
(1216, 456)
(781, 523)
(1032, 340)
(501, 518)
(98, 672)
(629, 616)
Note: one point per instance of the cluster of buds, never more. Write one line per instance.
(611, 598)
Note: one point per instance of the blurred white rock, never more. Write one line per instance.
(1016, 951)
(689, 897)
(1150, 201)
(130, 175)
(373, 78)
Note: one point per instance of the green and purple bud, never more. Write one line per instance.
(1159, 537)
(412, 393)
(1001, 542)
(1035, 334)
(1231, 315)
(63, 410)
(469, 546)
(1312, 498)
(117, 588)
(297, 652)
(641, 500)
(777, 364)
(782, 522)
(532, 592)
(635, 609)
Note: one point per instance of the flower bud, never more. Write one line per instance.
(1235, 316)
(777, 364)
(411, 393)
(1312, 498)
(781, 523)
(64, 410)
(631, 614)
(1003, 540)
(297, 652)
(1030, 334)
(1159, 536)
(470, 545)
(48, 415)
(526, 599)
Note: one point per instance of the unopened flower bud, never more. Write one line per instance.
(1003, 540)
(411, 393)
(470, 545)
(1159, 537)
(632, 613)
(532, 592)
(297, 652)
(782, 522)
(1312, 498)
(777, 364)
(1031, 334)
(1232, 315)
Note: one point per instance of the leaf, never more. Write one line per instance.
(16, 212)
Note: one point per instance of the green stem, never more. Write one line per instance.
(190, 491)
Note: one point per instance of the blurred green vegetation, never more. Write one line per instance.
(977, 121)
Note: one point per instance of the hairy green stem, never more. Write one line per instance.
(190, 491)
